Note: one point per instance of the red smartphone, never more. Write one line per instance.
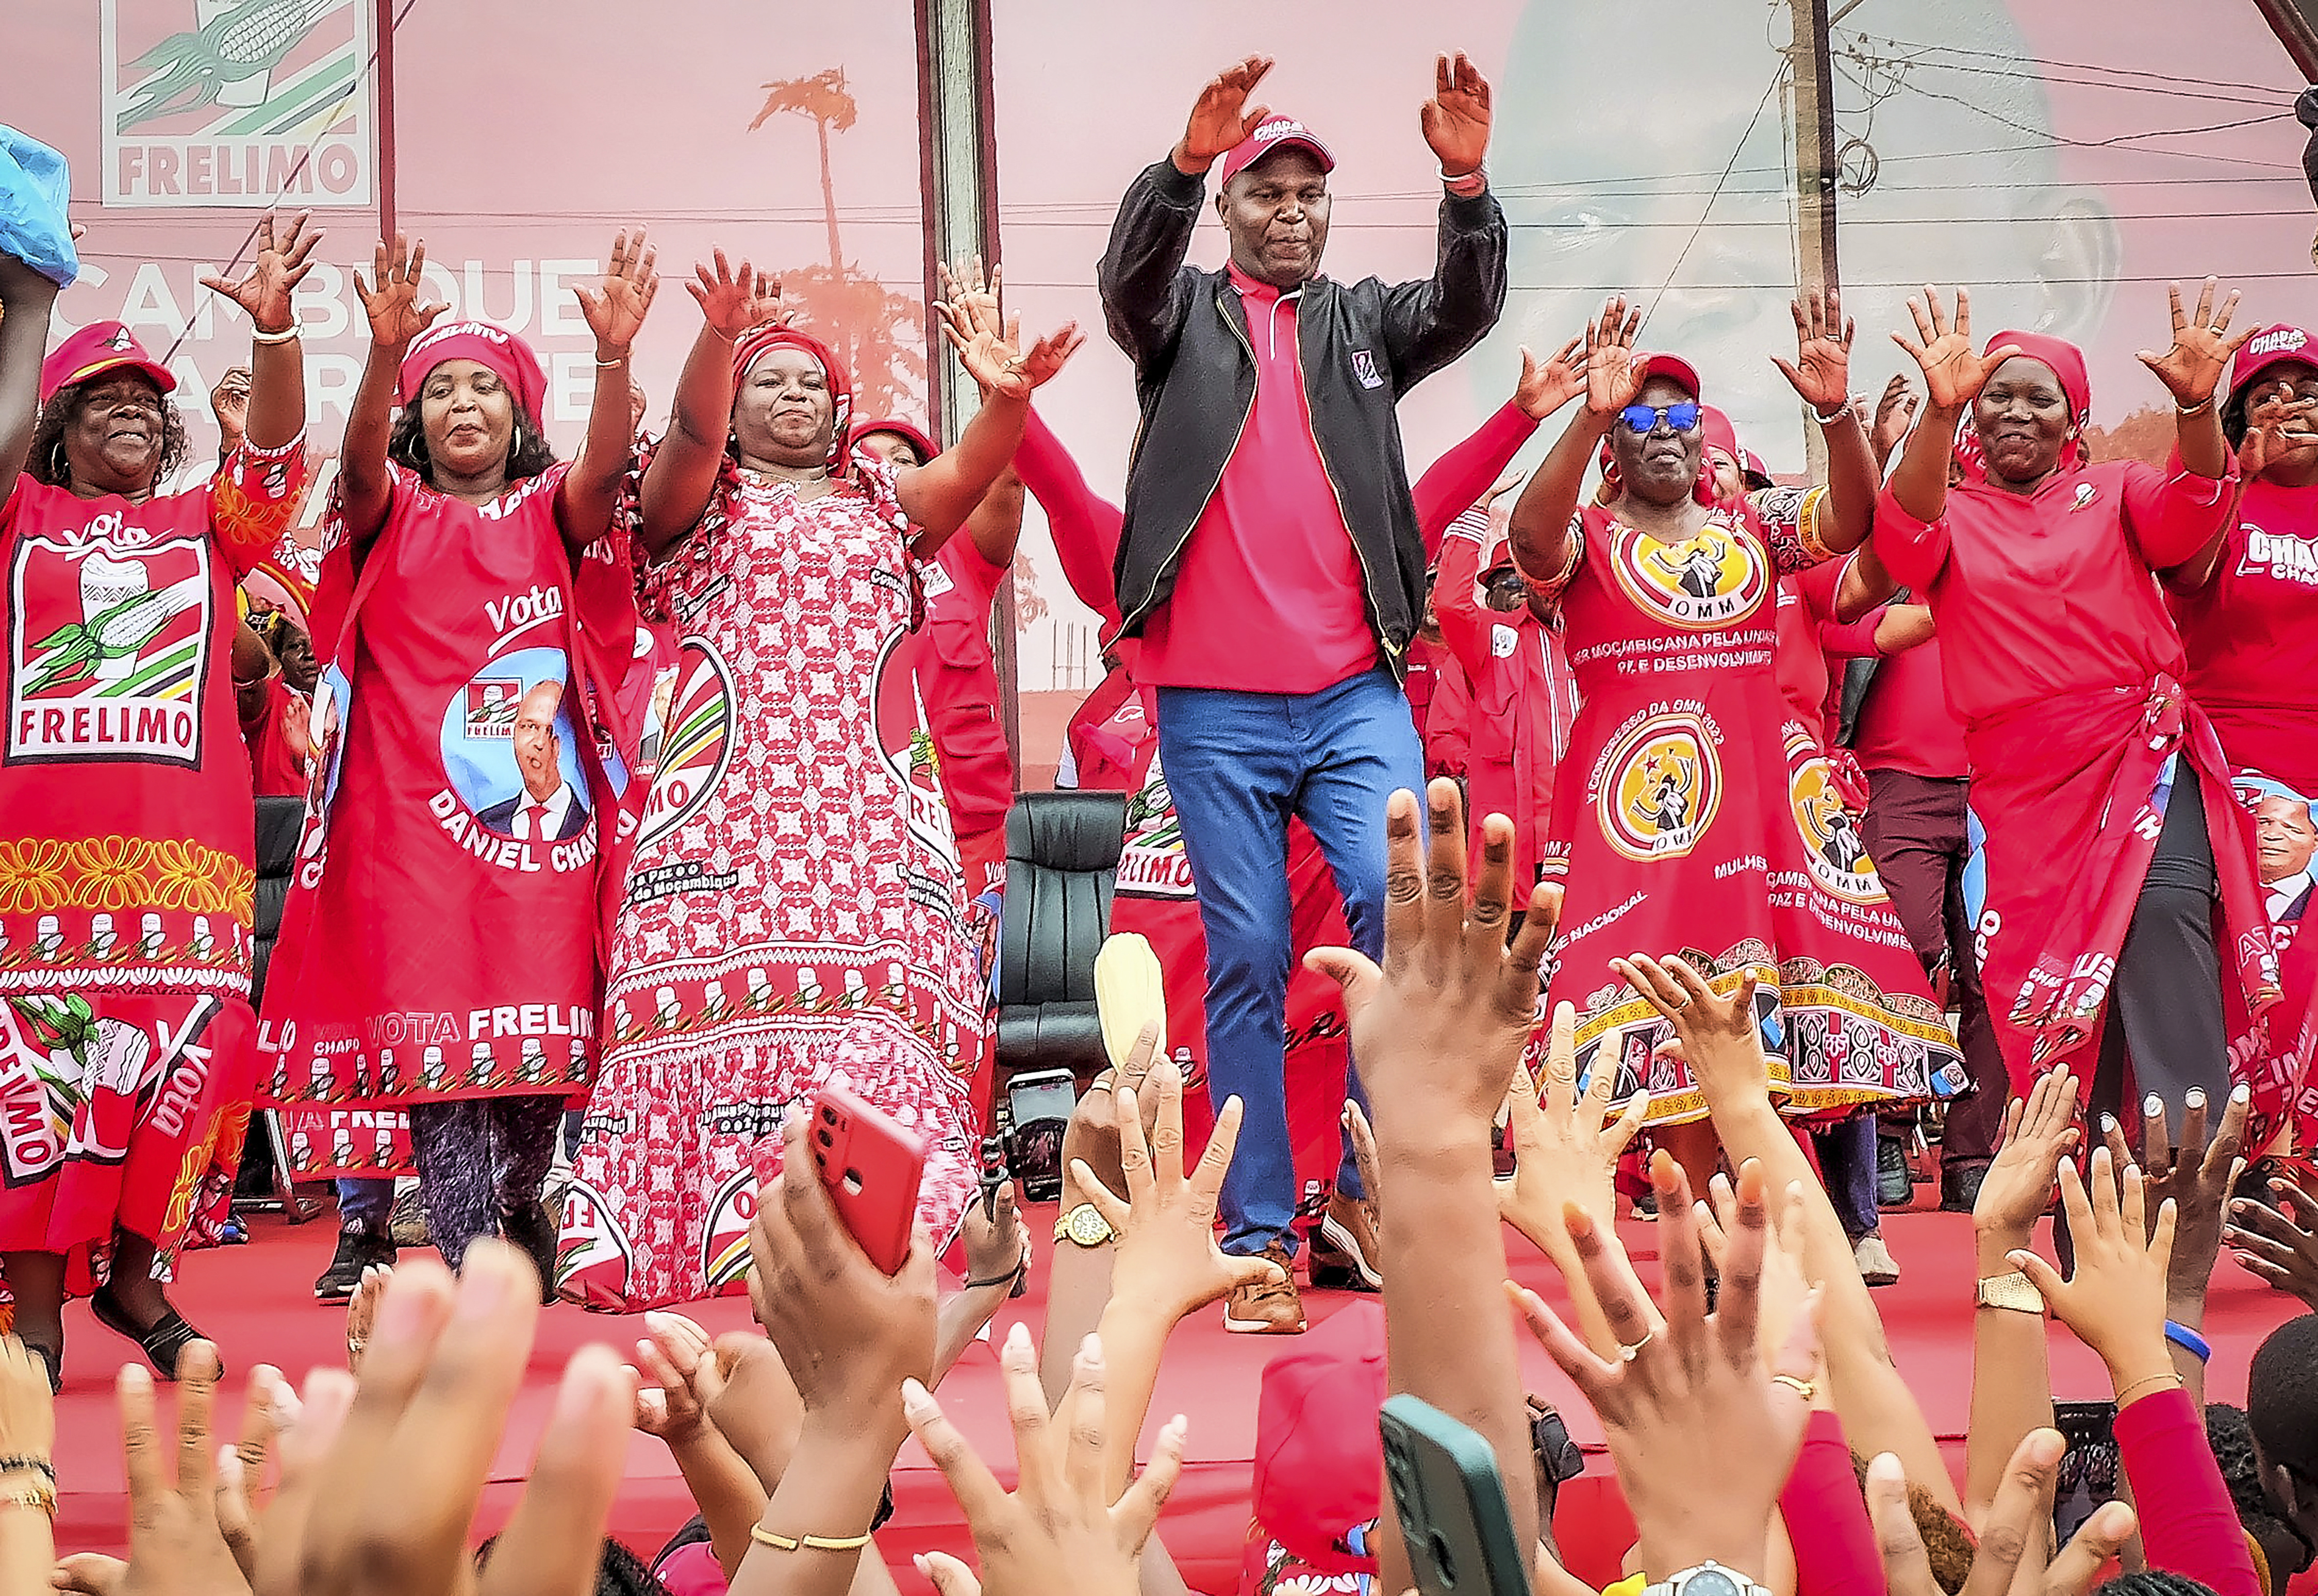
(871, 1167)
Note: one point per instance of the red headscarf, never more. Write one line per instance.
(2068, 365)
(757, 345)
(495, 349)
(900, 428)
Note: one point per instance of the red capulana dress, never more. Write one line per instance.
(440, 939)
(793, 914)
(2068, 673)
(126, 841)
(2250, 635)
(1691, 804)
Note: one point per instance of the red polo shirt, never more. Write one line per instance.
(1269, 596)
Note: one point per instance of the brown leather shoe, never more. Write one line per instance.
(1346, 1248)
(1269, 1307)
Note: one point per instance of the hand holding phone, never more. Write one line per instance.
(1451, 1501)
(871, 1167)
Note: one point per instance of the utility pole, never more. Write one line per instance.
(1817, 169)
(958, 147)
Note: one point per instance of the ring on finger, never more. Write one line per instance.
(1806, 1389)
(1628, 1354)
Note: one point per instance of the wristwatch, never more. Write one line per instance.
(2011, 1290)
(1709, 1578)
(1084, 1226)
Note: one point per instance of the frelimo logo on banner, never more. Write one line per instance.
(215, 101)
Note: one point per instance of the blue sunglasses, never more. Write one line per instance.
(1640, 420)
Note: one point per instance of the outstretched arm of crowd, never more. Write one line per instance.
(397, 315)
(1717, 1036)
(25, 299)
(1459, 480)
(1439, 1031)
(1431, 322)
(1820, 375)
(2191, 369)
(615, 310)
(277, 383)
(1914, 544)
(1542, 514)
(1086, 528)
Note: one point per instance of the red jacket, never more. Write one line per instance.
(1524, 697)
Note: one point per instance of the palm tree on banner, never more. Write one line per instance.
(879, 333)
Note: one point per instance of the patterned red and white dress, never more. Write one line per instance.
(1690, 806)
(793, 913)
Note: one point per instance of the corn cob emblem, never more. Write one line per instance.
(119, 631)
(190, 68)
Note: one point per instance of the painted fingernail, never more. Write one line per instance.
(2240, 1093)
(2108, 1122)
(2195, 1100)
(1018, 1337)
(2152, 1104)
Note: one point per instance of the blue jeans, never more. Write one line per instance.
(366, 1203)
(1239, 765)
(1847, 1163)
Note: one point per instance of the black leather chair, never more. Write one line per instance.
(1061, 859)
(279, 821)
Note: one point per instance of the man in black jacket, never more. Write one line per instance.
(1271, 565)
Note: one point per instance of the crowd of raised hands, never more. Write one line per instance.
(1759, 1343)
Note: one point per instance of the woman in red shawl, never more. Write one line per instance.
(439, 950)
(2115, 866)
(125, 829)
(2248, 609)
(793, 914)
(1690, 806)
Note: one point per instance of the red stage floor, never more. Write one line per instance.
(258, 1302)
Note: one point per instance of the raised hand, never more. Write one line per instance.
(2018, 1528)
(1953, 372)
(1688, 1395)
(1717, 1036)
(282, 261)
(1092, 1137)
(669, 1360)
(964, 286)
(229, 403)
(1456, 119)
(268, 1408)
(362, 1311)
(616, 309)
(1439, 1029)
(1057, 1531)
(1165, 1224)
(2039, 1130)
(733, 301)
(1000, 365)
(848, 1333)
(997, 1240)
(2196, 1176)
(393, 1504)
(1893, 413)
(1820, 371)
(2115, 1299)
(396, 314)
(1786, 1283)
(1221, 116)
(176, 1544)
(2192, 366)
(2277, 1241)
(1546, 386)
(1614, 369)
(1566, 1147)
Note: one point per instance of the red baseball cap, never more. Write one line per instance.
(1676, 367)
(95, 349)
(1275, 132)
(2273, 345)
(1319, 1465)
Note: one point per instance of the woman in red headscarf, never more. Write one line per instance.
(792, 915)
(1690, 806)
(2248, 609)
(2116, 873)
(125, 835)
(438, 952)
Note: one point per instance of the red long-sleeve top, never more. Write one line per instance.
(2187, 1523)
(1826, 1517)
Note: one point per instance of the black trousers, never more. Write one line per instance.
(2164, 1019)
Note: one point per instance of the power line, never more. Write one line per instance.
(1706, 210)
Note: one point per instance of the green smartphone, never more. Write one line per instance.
(1451, 1501)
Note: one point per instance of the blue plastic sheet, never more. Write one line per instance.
(34, 184)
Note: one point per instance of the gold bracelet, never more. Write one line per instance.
(810, 1543)
(2125, 1396)
(43, 1497)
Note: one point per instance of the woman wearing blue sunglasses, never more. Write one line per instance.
(1689, 807)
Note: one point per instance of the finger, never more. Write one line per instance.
(1167, 1133)
(1517, 975)
(2295, 1198)
(2228, 1142)
(1214, 1162)
(1355, 972)
(92, 1574)
(2073, 1201)
(1445, 902)
(1114, 1209)
(2097, 1543)
(2042, 1275)
(2156, 1145)
(2014, 1517)
(197, 1377)
(977, 1490)
(554, 1540)
(1404, 878)
(1595, 1378)
(477, 1367)
(261, 1414)
(1561, 1095)
(237, 1524)
(1137, 1511)
(2113, 1140)
(1738, 1307)
(140, 1450)
(1134, 1146)
(946, 1574)
(1082, 1447)
(1615, 1140)
(1907, 1570)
